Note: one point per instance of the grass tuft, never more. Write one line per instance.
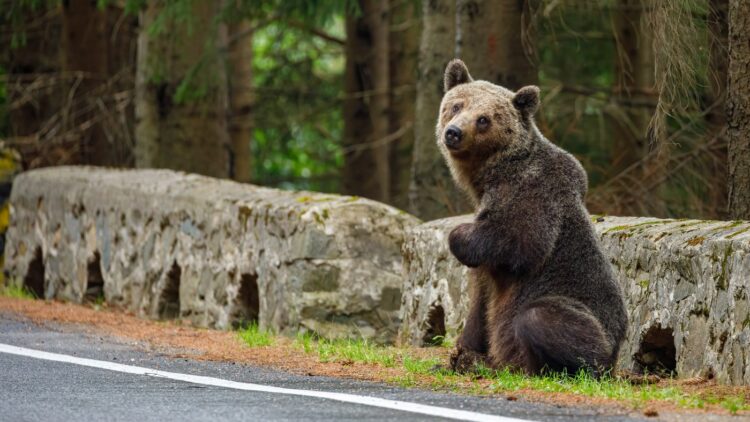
(734, 404)
(17, 292)
(254, 336)
(442, 341)
(363, 351)
(419, 366)
(405, 381)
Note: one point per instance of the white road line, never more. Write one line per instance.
(217, 382)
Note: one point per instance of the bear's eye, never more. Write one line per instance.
(456, 107)
(483, 121)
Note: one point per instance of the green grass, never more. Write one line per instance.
(584, 384)
(605, 387)
(254, 336)
(405, 381)
(442, 341)
(17, 292)
(734, 404)
(418, 365)
(363, 351)
(427, 372)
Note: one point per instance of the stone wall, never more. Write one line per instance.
(166, 244)
(219, 253)
(686, 285)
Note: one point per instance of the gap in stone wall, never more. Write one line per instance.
(435, 333)
(169, 300)
(657, 353)
(34, 279)
(94, 281)
(247, 304)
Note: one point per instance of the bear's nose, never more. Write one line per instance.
(453, 137)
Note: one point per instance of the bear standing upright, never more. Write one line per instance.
(544, 296)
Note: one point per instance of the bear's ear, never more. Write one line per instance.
(526, 100)
(456, 73)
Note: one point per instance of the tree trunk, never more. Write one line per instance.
(70, 85)
(241, 99)
(84, 49)
(432, 192)
(367, 83)
(147, 118)
(738, 109)
(491, 35)
(189, 135)
(404, 54)
(716, 117)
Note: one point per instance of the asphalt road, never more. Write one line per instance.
(33, 389)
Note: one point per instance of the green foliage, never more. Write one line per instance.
(578, 122)
(313, 12)
(298, 122)
(297, 80)
(254, 336)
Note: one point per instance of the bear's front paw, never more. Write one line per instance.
(460, 248)
(465, 361)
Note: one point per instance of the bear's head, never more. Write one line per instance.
(479, 120)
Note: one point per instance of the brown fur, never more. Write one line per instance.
(544, 296)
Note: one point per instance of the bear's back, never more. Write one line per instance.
(577, 266)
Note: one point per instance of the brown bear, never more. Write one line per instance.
(544, 296)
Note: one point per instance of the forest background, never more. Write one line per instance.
(652, 96)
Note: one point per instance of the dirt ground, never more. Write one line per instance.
(184, 341)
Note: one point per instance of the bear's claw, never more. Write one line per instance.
(467, 361)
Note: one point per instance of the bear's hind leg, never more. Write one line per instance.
(560, 334)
